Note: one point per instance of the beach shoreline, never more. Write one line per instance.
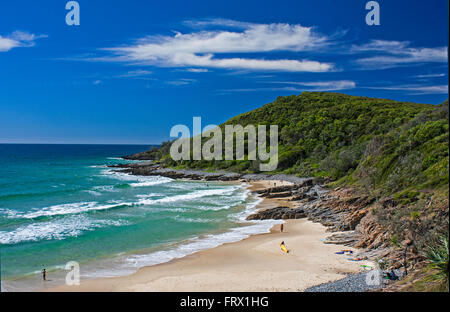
(253, 264)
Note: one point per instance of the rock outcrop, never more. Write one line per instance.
(150, 169)
(278, 213)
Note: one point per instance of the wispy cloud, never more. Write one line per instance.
(181, 82)
(293, 86)
(331, 85)
(208, 22)
(397, 53)
(197, 70)
(203, 49)
(18, 39)
(416, 89)
(430, 75)
(140, 73)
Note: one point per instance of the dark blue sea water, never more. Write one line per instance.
(61, 203)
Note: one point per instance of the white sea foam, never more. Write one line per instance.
(56, 229)
(8, 213)
(185, 197)
(212, 208)
(193, 220)
(105, 188)
(149, 195)
(95, 193)
(138, 181)
(71, 208)
(160, 180)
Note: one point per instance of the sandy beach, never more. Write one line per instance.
(253, 264)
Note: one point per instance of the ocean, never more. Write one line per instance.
(61, 203)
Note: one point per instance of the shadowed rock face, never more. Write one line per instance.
(278, 213)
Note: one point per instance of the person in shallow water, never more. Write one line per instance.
(44, 274)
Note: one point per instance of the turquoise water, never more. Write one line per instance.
(61, 203)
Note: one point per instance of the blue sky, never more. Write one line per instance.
(133, 69)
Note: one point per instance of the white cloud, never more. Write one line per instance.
(7, 44)
(380, 45)
(331, 85)
(135, 74)
(292, 86)
(217, 22)
(197, 70)
(430, 75)
(18, 39)
(181, 82)
(397, 53)
(416, 89)
(200, 49)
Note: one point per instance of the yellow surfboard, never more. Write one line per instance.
(284, 248)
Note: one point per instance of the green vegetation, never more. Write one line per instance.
(438, 257)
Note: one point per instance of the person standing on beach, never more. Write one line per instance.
(281, 227)
(44, 274)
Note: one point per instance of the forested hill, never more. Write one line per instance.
(379, 144)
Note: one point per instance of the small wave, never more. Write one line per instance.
(212, 208)
(95, 193)
(55, 230)
(193, 220)
(10, 214)
(150, 183)
(185, 197)
(104, 188)
(138, 181)
(65, 209)
(145, 196)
